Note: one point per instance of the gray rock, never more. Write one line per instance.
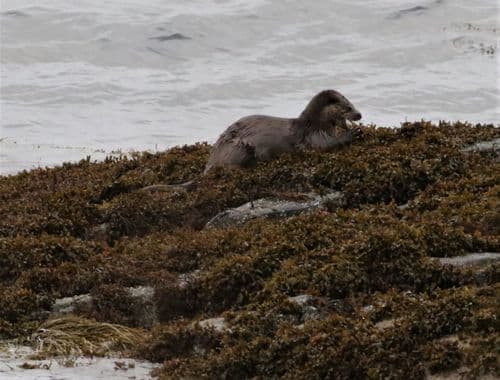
(68, 305)
(302, 299)
(367, 309)
(309, 305)
(472, 259)
(99, 232)
(481, 265)
(218, 324)
(312, 313)
(483, 146)
(386, 323)
(185, 279)
(143, 307)
(275, 209)
(404, 206)
(144, 292)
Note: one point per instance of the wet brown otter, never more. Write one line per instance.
(322, 125)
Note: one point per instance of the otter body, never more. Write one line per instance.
(322, 125)
(251, 139)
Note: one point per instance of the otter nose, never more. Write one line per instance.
(356, 116)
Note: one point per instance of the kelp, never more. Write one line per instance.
(382, 306)
(75, 336)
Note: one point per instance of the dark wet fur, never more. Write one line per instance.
(322, 125)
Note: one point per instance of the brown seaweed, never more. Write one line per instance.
(384, 308)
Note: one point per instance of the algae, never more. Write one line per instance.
(411, 194)
(73, 336)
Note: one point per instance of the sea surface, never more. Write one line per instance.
(90, 77)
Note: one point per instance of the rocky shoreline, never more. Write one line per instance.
(375, 260)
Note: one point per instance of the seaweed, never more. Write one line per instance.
(75, 336)
(380, 303)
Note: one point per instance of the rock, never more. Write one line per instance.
(310, 306)
(481, 265)
(99, 232)
(403, 206)
(461, 342)
(218, 324)
(462, 372)
(367, 309)
(311, 313)
(201, 342)
(471, 259)
(185, 279)
(271, 208)
(314, 308)
(385, 324)
(143, 307)
(484, 146)
(67, 305)
(143, 292)
(302, 299)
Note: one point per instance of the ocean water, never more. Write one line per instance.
(90, 77)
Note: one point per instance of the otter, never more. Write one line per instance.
(324, 124)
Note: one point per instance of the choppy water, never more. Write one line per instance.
(88, 76)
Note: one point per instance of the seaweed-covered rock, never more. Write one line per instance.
(473, 259)
(129, 306)
(362, 286)
(218, 324)
(484, 146)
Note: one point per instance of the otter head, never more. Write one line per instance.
(329, 109)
